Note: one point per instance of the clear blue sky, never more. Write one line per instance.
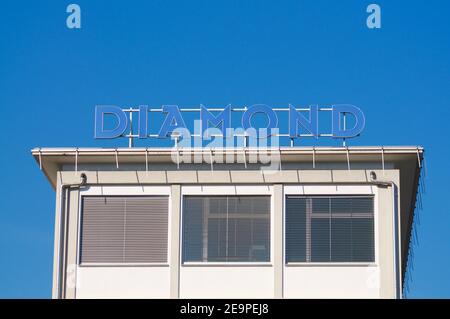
(215, 53)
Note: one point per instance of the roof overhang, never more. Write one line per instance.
(51, 159)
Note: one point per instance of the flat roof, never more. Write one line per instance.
(407, 159)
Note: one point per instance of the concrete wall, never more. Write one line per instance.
(274, 279)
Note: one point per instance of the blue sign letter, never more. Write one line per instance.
(223, 118)
(311, 124)
(260, 108)
(345, 132)
(122, 121)
(143, 121)
(173, 120)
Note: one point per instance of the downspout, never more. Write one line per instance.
(62, 235)
(395, 233)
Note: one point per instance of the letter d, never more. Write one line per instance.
(340, 132)
(122, 121)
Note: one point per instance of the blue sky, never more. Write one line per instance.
(215, 53)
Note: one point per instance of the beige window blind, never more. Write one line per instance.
(124, 229)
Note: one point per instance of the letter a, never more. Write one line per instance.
(374, 19)
(73, 21)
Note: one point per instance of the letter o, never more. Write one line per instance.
(260, 108)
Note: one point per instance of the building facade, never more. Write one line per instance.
(329, 222)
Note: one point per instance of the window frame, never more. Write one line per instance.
(332, 191)
(234, 190)
(121, 191)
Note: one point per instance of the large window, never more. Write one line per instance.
(124, 229)
(329, 229)
(226, 228)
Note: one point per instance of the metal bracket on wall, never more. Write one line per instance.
(76, 161)
(314, 157)
(418, 158)
(117, 159)
(211, 158)
(40, 159)
(146, 161)
(348, 157)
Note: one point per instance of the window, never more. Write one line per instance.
(329, 229)
(120, 229)
(226, 229)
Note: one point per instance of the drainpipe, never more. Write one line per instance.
(62, 224)
(395, 220)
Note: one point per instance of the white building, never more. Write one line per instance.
(333, 222)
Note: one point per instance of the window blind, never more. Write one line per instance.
(124, 229)
(226, 228)
(330, 229)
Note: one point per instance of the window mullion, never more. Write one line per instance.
(206, 207)
(124, 230)
(226, 234)
(351, 230)
(308, 228)
(329, 227)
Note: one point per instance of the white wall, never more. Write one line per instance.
(123, 282)
(226, 282)
(331, 282)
